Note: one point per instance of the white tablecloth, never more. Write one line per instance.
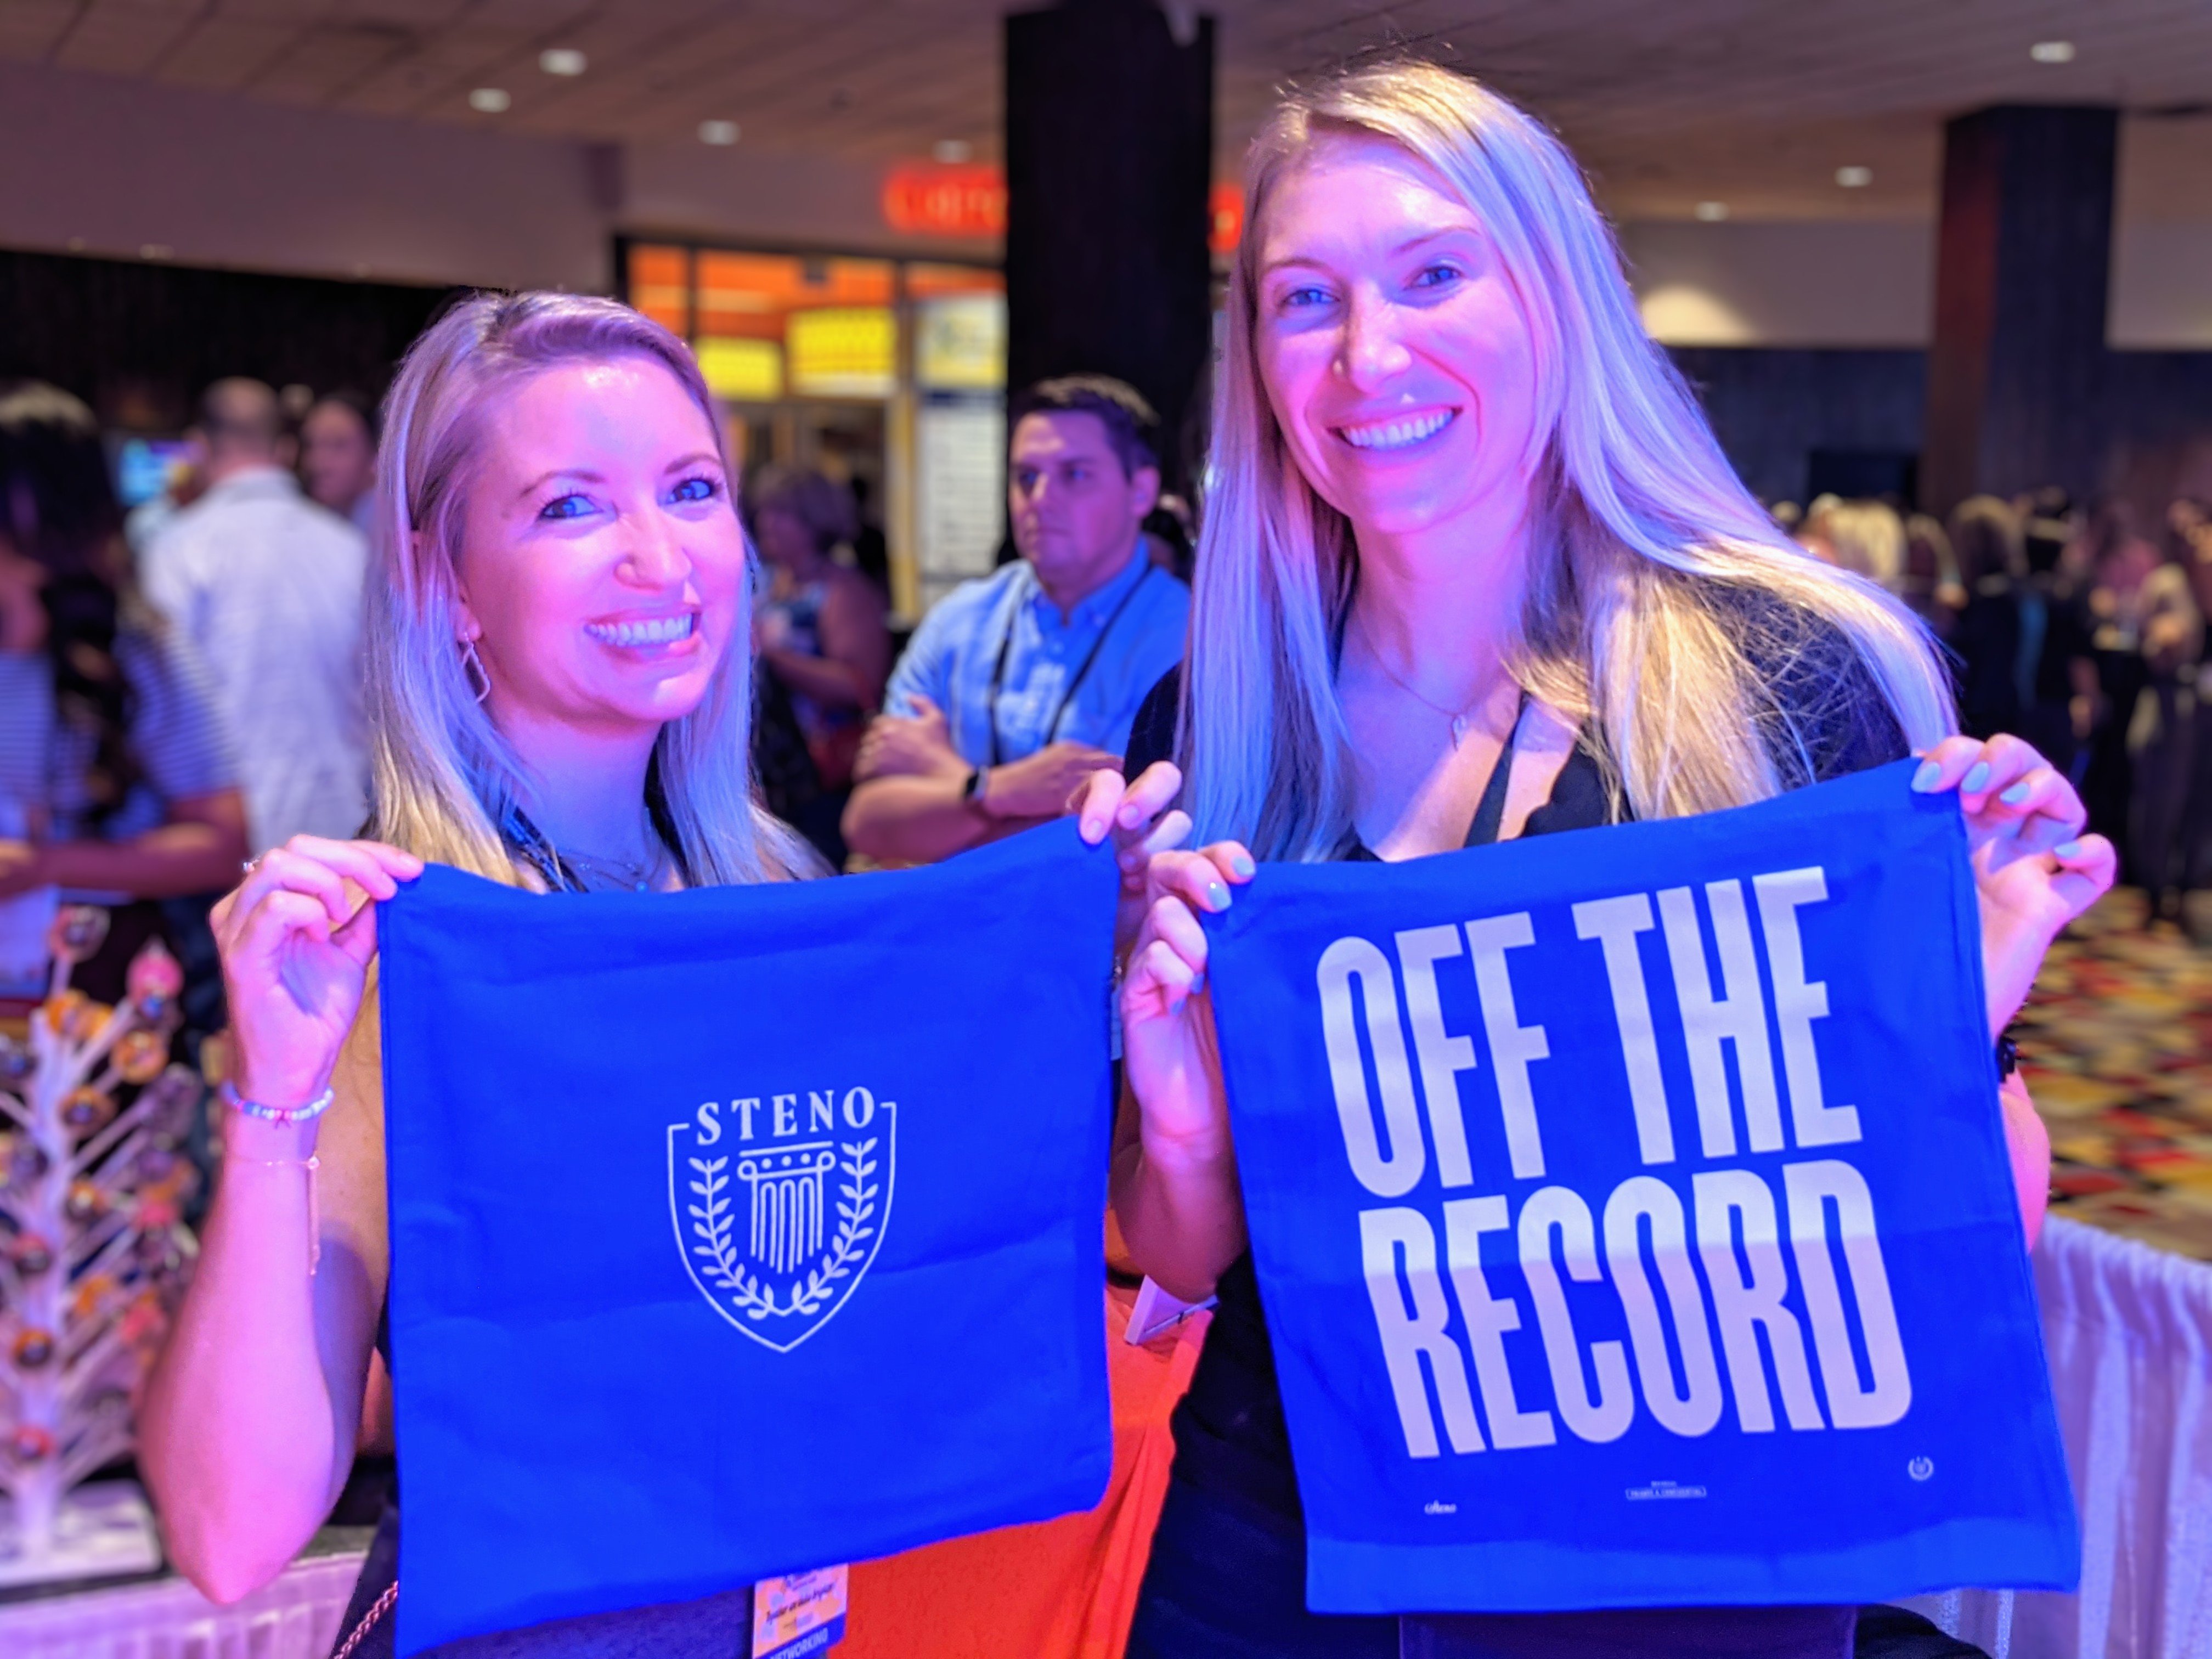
(2129, 1333)
(294, 1618)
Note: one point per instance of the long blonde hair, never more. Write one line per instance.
(443, 777)
(1654, 572)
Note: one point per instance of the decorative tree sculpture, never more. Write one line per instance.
(93, 1253)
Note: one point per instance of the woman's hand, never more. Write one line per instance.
(1167, 1044)
(1167, 1024)
(2034, 871)
(1144, 820)
(1174, 1167)
(296, 938)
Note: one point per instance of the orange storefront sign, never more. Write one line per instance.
(936, 200)
(1224, 218)
(945, 201)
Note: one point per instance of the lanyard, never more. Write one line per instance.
(528, 842)
(1067, 697)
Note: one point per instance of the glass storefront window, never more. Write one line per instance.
(889, 375)
(960, 423)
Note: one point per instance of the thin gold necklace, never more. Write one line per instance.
(636, 876)
(1458, 717)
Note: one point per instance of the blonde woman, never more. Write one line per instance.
(1473, 568)
(1868, 539)
(560, 686)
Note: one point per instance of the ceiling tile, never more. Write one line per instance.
(1756, 102)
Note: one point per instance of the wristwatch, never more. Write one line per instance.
(972, 793)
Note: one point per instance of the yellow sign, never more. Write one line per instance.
(960, 343)
(843, 351)
(742, 371)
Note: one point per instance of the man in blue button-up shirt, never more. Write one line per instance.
(1018, 686)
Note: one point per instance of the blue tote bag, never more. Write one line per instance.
(1633, 1219)
(741, 1231)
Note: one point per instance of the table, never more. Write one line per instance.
(162, 1617)
(2129, 1330)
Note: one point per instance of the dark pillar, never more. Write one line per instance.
(1109, 151)
(2017, 373)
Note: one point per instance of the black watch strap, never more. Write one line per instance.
(972, 791)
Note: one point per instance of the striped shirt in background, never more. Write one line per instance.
(175, 736)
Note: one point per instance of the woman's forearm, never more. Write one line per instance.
(1182, 1216)
(173, 861)
(243, 1439)
(2028, 1144)
(826, 680)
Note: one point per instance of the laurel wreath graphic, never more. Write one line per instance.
(711, 1221)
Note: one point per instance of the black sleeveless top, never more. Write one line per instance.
(1827, 719)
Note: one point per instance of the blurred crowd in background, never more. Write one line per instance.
(2081, 629)
(182, 684)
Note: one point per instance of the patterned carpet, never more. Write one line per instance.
(2117, 1046)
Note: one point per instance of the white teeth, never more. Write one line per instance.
(1396, 434)
(664, 630)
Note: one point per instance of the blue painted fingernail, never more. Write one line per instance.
(2068, 849)
(1924, 779)
(2017, 793)
(1241, 864)
(1217, 896)
(1977, 779)
(1197, 984)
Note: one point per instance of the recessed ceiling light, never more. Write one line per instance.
(561, 60)
(1853, 178)
(718, 132)
(489, 100)
(1713, 212)
(953, 150)
(2052, 52)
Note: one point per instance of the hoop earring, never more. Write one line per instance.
(472, 669)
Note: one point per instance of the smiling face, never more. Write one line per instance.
(1397, 356)
(601, 558)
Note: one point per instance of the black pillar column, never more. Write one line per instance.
(1109, 151)
(2017, 373)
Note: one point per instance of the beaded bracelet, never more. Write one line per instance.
(227, 1092)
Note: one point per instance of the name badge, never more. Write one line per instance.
(800, 1613)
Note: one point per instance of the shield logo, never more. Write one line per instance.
(779, 1208)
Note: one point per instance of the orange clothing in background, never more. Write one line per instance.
(1054, 1590)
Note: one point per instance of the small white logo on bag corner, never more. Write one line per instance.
(1437, 1506)
(1920, 1469)
(1663, 1489)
